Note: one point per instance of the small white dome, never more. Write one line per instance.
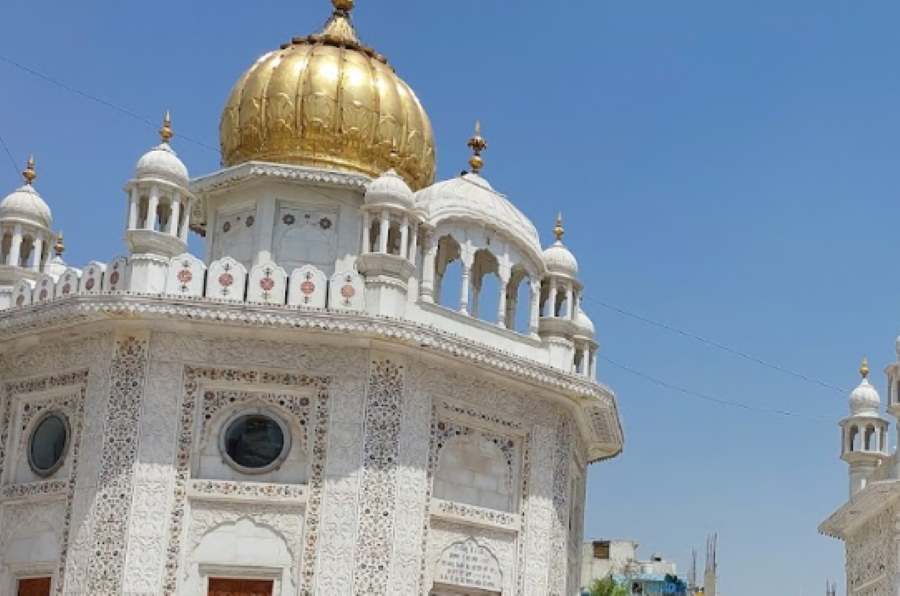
(583, 324)
(162, 162)
(391, 189)
(26, 205)
(560, 259)
(471, 198)
(865, 399)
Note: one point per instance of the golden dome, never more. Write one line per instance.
(329, 101)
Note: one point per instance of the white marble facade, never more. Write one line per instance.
(433, 427)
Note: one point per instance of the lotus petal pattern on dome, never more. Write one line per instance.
(328, 101)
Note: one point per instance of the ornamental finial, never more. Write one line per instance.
(864, 368)
(29, 173)
(558, 229)
(344, 6)
(59, 248)
(477, 144)
(165, 133)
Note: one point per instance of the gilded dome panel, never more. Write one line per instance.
(328, 101)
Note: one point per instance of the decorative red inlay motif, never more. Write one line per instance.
(185, 276)
(267, 283)
(307, 287)
(89, 284)
(226, 279)
(347, 291)
(114, 278)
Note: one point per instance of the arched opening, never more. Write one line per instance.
(394, 247)
(485, 286)
(518, 300)
(853, 439)
(870, 438)
(164, 214)
(25, 251)
(447, 273)
(143, 208)
(5, 246)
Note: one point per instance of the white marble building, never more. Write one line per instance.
(300, 410)
(868, 522)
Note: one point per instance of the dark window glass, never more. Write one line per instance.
(48, 443)
(254, 441)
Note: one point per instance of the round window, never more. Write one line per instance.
(48, 444)
(254, 443)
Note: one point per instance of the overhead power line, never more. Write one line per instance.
(99, 100)
(711, 398)
(719, 346)
(12, 160)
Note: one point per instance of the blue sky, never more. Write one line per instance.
(729, 169)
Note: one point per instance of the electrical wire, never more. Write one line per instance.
(719, 346)
(711, 398)
(99, 100)
(12, 160)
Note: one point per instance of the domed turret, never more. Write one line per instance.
(863, 433)
(329, 101)
(159, 209)
(162, 162)
(557, 257)
(24, 204)
(25, 230)
(389, 189)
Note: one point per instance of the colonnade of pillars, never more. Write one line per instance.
(23, 248)
(395, 235)
(151, 218)
(585, 359)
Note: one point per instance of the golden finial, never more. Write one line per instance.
(29, 173)
(343, 5)
(558, 229)
(477, 144)
(59, 248)
(864, 368)
(165, 133)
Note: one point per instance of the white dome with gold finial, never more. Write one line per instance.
(390, 189)
(864, 399)
(557, 257)
(327, 100)
(162, 162)
(25, 205)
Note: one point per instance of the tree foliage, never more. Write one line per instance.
(607, 587)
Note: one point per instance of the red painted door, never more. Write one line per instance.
(240, 587)
(34, 586)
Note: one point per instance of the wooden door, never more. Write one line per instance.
(34, 586)
(240, 587)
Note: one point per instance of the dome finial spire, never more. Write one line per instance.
(166, 133)
(59, 248)
(344, 6)
(558, 230)
(29, 173)
(864, 368)
(477, 144)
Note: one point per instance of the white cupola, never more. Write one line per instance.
(863, 432)
(390, 240)
(585, 361)
(159, 209)
(560, 296)
(25, 229)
